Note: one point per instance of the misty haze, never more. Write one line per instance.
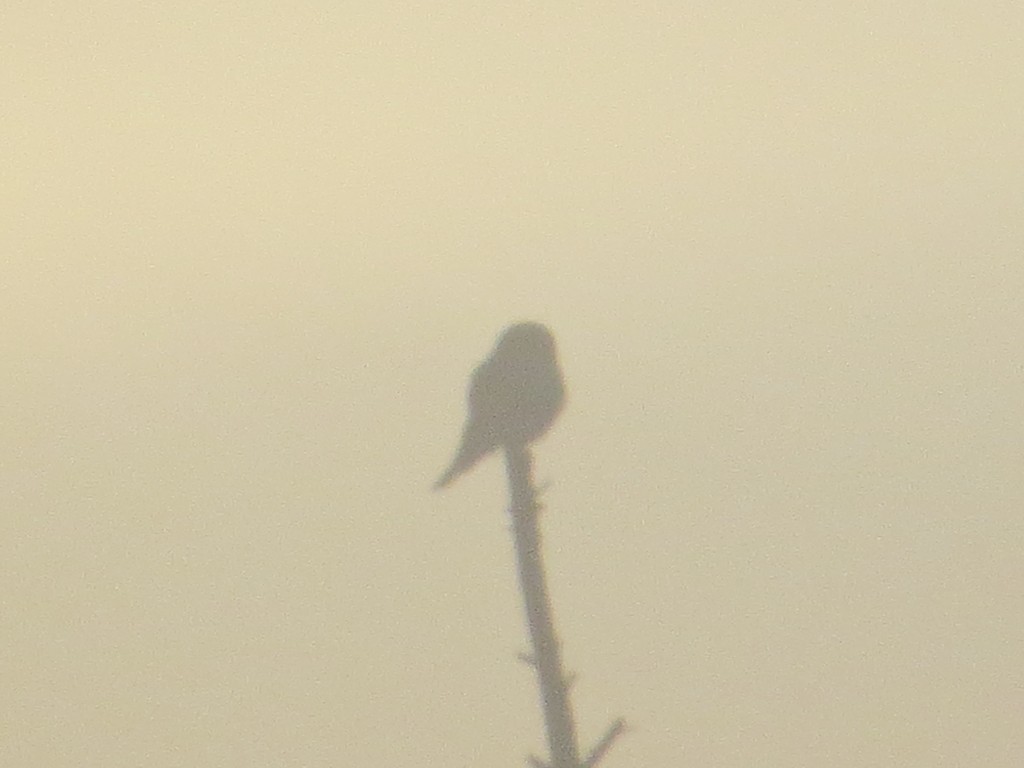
(253, 255)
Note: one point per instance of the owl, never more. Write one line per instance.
(514, 396)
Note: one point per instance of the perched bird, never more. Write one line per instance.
(514, 396)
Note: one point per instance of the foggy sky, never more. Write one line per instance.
(252, 253)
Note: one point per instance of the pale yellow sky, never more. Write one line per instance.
(251, 255)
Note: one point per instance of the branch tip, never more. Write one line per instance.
(613, 732)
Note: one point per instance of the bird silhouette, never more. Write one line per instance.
(514, 396)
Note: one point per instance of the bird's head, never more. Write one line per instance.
(527, 338)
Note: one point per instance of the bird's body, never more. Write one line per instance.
(514, 396)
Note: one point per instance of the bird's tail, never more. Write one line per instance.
(446, 478)
(463, 461)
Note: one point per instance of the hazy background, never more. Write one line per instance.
(251, 253)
